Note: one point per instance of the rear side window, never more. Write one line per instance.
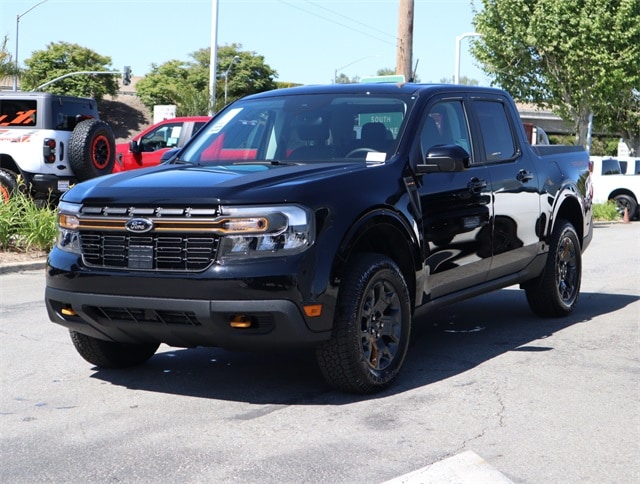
(497, 135)
(18, 112)
(69, 113)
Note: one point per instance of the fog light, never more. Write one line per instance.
(240, 321)
(68, 312)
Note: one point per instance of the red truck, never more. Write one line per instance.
(147, 148)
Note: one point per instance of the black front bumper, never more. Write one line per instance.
(183, 309)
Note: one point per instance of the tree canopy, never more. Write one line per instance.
(63, 58)
(186, 84)
(576, 57)
(7, 67)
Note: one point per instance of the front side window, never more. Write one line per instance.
(303, 128)
(445, 124)
(165, 136)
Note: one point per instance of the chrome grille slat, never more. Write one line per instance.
(180, 245)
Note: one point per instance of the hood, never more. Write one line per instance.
(223, 183)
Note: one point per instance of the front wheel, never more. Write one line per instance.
(554, 293)
(371, 328)
(108, 354)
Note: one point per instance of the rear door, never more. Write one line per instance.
(514, 185)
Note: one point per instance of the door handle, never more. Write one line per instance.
(476, 185)
(524, 176)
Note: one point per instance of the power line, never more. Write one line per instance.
(352, 20)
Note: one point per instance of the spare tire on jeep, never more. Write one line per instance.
(92, 149)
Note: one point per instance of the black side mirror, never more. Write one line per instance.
(169, 155)
(134, 147)
(444, 158)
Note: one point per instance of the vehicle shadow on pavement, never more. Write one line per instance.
(445, 343)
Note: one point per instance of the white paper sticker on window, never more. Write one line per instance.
(376, 156)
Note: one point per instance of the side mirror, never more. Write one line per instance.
(134, 147)
(168, 155)
(444, 158)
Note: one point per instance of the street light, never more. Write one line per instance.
(15, 75)
(456, 77)
(226, 77)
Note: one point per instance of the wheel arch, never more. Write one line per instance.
(386, 232)
(8, 163)
(571, 211)
(622, 191)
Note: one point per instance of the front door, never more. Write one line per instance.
(456, 207)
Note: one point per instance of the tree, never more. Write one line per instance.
(575, 57)
(64, 58)
(7, 68)
(186, 84)
(464, 80)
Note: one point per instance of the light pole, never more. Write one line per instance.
(226, 77)
(15, 75)
(456, 77)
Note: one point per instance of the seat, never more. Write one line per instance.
(376, 136)
(316, 136)
(430, 135)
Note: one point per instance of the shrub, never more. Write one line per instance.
(606, 211)
(25, 225)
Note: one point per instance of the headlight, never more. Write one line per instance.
(68, 239)
(250, 232)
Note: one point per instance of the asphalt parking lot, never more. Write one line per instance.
(535, 400)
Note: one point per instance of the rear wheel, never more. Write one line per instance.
(92, 149)
(108, 354)
(626, 202)
(8, 185)
(555, 292)
(371, 328)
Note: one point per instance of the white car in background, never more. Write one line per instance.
(616, 179)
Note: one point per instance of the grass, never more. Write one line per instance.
(26, 225)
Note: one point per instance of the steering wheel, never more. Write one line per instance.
(359, 152)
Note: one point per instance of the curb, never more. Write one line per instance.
(23, 266)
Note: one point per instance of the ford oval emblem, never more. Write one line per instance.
(139, 225)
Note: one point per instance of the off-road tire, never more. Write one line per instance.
(107, 354)
(92, 149)
(371, 329)
(8, 185)
(554, 293)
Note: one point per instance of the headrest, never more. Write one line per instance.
(313, 132)
(377, 131)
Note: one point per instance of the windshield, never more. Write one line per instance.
(303, 128)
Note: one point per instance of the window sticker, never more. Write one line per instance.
(224, 120)
(376, 156)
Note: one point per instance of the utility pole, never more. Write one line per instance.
(404, 58)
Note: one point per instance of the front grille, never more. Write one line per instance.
(175, 252)
(139, 316)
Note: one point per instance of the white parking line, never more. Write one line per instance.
(465, 468)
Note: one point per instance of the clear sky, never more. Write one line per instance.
(305, 41)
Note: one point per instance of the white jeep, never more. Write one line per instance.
(52, 142)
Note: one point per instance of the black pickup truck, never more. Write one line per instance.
(321, 217)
